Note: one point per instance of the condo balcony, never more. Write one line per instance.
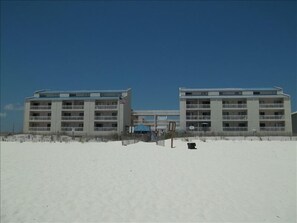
(40, 107)
(239, 129)
(198, 117)
(104, 129)
(234, 117)
(39, 129)
(199, 129)
(40, 118)
(106, 118)
(271, 117)
(72, 129)
(235, 106)
(271, 105)
(198, 106)
(73, 107)
(72, 118)
(106, 107)
(272, 129)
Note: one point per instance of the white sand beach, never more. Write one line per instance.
(221, 181)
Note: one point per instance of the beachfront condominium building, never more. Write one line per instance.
(78, 112)
(235, 111)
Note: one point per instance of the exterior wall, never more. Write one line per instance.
(231, 116)
(60, 123)
(294, 123)
(253, 115)
(182, 115)
(154, 119)
(216, 115)
(26, 116)
(288, 118)
(56, 117)
(279, 121)
(127, 112)
(89, 112)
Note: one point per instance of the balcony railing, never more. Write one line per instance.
(194, 106)
(275, 129)
(106, 118)
(235, 117)
(200, 129)
(39, 129)
(72, 118)
(104, 129)
(72, 107)
(234, 106)
(271, 117)
(240, 129)
(72, 129)
(198, 117)
(106, 107)
(275, 105)
(40, 107)
(40, 118)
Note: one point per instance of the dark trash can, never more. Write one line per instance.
(191, 145)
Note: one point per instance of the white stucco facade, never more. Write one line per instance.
(78, 112)
(235, 111)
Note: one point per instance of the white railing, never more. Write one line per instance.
(234, 117)
(275, 105)
(106, 117)
(41, 129)
(235, 129)
(72, 129)
(72, 118)
(198, 117)
(40, 107)
(198, 105)
(72, 107)
(42, 118)
(271, 117)
(106, 107)
(105, 129)
(200, 129)
(234, 105)
(272, 128)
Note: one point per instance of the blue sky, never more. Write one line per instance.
(153, 47)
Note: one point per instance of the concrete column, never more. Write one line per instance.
(216, 115)
(89, 113)
(288, 117)
(56, 113)
(26, 116)
(182, 116)
(253, 115)
(127, 110)
(120, 117)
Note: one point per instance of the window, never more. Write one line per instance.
(230, 93)
(79, 95)
(114, 125)
(188, 93)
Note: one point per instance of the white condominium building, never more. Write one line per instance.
(235, 111)
(78, 112)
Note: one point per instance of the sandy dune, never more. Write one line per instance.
(221, 181)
